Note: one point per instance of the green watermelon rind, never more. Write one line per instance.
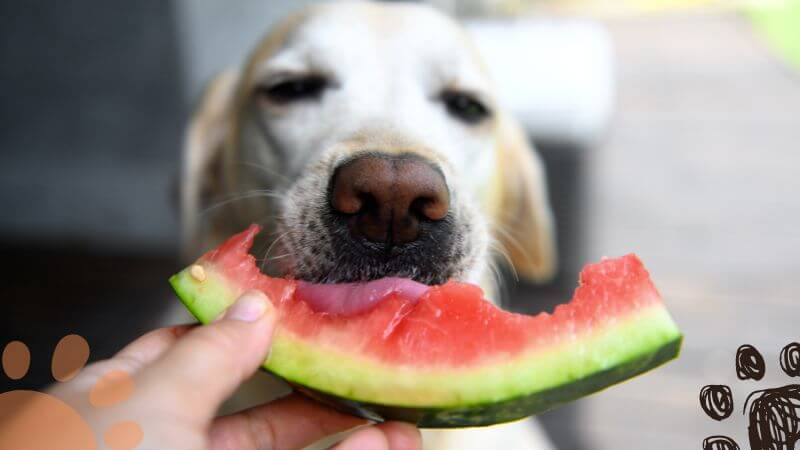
(509, 410)
(498, 391)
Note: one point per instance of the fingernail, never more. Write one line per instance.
(250, 307)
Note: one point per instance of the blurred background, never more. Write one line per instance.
(670, 128)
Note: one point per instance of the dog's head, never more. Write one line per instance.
(367, 136)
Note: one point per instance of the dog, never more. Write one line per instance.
(368, 140)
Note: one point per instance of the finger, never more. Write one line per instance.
(289, 423)
(132, 358)
(388, 435)
(152, 345)
(370, 438)
(401, 435)
(206, 365)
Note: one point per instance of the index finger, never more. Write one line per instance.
(291, 422)
(152, 345)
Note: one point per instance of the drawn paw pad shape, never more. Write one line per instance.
(773, 414)
(31, 420)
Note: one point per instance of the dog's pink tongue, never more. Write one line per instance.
(354, 298)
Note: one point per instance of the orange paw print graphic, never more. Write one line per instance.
(31, 420)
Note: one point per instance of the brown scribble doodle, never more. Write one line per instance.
(719, 443)
(749, 363)
(717, 401)
(790, 359)
(774, 418)
(773, 414)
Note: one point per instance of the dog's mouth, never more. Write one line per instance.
(354, 298)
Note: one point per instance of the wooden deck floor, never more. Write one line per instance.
(699, 176)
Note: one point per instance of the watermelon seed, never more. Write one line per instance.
(198, 272)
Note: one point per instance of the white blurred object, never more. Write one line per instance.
(520, 435)
(556, 76)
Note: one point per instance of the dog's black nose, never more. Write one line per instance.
(386, 197)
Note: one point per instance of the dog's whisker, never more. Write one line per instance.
(270, 233)
(243, 196)
(499, 249)
(265, 169)
(496, 280)
(275, 242)
(274, 258)
(494, 283)
(511, 240)
(272, 245)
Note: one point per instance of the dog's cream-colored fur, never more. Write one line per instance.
(249, 161)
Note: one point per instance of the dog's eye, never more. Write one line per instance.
(465, 107)
(295, 89)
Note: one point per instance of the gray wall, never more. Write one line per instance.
(90, 123)
(215, 35)
(95, 96)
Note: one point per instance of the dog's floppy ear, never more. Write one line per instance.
(203, 151)
(524, 222)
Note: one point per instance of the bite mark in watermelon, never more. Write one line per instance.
(444, 356)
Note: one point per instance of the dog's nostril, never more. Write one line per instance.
(368, 202)
(431, 208)
(386, 196)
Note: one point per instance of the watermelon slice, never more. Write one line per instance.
(443, 356)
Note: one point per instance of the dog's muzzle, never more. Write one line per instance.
(385, 199)
(392, 212)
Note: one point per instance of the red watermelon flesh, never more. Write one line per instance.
(444, 352)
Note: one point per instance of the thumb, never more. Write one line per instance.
(207, 365)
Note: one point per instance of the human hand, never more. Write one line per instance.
(182, 375)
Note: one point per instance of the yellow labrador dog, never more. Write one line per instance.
(367, 138)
